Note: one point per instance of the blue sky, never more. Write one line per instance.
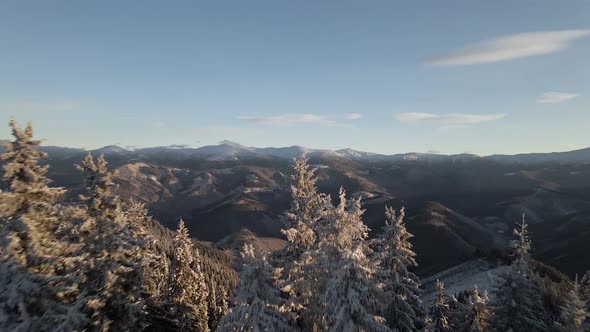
(385, 76)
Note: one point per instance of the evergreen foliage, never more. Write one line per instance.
(573, 313)
(299, 275)
(113, 275)
(351, 298)
(520, 298)
(403, 307)
(186, 287)
(257, 305)
(472, 311)
(37, 290)
(439, 318)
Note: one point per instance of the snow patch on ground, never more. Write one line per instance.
(480, 273)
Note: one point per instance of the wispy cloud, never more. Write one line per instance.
(449, 118)
(552, 97)
(512, 47)
(282, 119)
(353, 116)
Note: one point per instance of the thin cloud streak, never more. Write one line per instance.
(449, 118)
(282, 119)
(353, 116)
(512, 47)
(553, 97)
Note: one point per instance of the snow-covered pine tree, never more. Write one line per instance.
(402, 306)
(351, 298)
(573, 313)
(218, 306)
(519, 305)
(154, 262)
(36, 294)
(212, 305)
(522, 248)
(307, 207)
(101, 201)
(29, 206)
(257, 305)
(440, 312)
(519, 297)
(473, 311)
(222, 303)
(187, 290)
(113, 275)
(299, 275)
(585, 289)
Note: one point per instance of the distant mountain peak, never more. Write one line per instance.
(232, 144)
(111, 149)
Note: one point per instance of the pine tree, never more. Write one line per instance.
(473, 312)
(519, 297)
(36, 293)
(257, 303)
(307, 208)
(222, 304)
(522, 248)
(114, 279)
(351, 296)
(29, 206)
(218, 306)
(154, 262)
(585, 289)
(440, 312)
(403, 307)
(212, 306)
(573, 313)
(298, 271)
(519, 305)
(187, 288)
(101, 201)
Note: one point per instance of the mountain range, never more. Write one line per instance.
(228, 150)
(458, 207)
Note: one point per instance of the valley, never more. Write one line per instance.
(458, 207)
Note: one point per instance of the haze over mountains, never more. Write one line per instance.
(458, 206)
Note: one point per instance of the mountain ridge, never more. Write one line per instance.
(228, 150)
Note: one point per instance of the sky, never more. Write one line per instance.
(389, 76)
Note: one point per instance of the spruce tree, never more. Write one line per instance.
(307, 208)
(29, 207)
(299, 275)
(585, 289)
(351, 298)
(155, 264)
(100, 201)
(186, 287)
(519, 297)
(403, 307)
(114, 279)
(439, 317)
(473, 312)
(573, 313)
(522, 248)
(36, 292)
(218, 305)
(257, 305)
